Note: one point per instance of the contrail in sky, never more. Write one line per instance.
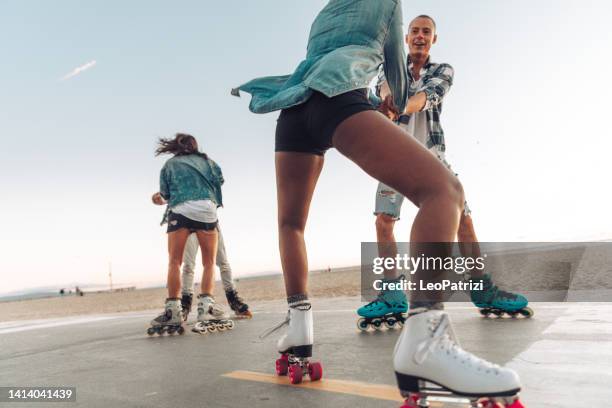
(78, 70)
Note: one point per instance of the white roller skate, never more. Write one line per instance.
(171, 321)
(212, 317)
(295, 346)
(429, 362)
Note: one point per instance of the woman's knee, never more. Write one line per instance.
(291, 224)
(449, 189)
(175, 262)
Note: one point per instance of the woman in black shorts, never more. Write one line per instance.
(324, 104)
(190, 184)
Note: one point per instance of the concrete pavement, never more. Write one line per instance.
(563, 354)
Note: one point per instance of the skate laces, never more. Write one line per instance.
(275, 328)
(379, 299)
(301, 306)
(442, 332)
(233, 296)
(216, 309)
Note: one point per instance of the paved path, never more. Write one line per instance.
(563, 354)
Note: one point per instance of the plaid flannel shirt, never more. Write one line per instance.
(437, 80)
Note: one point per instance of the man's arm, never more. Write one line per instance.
(432, 93)
(436, 88)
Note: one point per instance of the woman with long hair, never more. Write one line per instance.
(190, 184)
(324, 104)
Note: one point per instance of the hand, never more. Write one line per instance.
(158, 199)
(388, 109)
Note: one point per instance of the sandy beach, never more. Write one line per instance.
(339, 282)
(577, 272)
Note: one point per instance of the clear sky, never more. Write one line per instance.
(87, 87)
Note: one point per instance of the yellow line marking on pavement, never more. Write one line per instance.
(361, 389)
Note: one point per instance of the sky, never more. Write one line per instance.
(88, 87)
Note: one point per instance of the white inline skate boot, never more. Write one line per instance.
(212, 317)
(428, 361)
(295, 346)
(171, 321)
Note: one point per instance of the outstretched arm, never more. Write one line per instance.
(436, 88)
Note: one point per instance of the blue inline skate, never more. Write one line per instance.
(388, 309)
(493, 301)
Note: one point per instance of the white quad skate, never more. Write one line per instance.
(295, 346)
(171, 321)
(212, 317)
(429, 362)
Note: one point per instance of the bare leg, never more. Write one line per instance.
(176, 247)
(468, 242)
(296, 178)
(387, 246)
(208, 244)
(382, 149)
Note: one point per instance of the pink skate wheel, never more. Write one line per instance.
(315, 371)
(282, 366)
(295, 374)
(516, 404)
(411, 402)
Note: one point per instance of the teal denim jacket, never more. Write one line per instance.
(348, 42)
(190, 177)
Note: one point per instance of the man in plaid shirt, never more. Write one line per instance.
(429, 83)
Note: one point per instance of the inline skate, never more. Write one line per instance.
(241, 309)
(429, 362)
(212, 317)
(388, 309)
(491, 300)
(186, 301)
(171, 321)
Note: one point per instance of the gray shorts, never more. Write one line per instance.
(389, 201)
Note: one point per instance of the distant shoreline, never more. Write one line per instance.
(89, 289)
(344, 281)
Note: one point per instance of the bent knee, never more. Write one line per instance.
(450, 189)
(385, 223)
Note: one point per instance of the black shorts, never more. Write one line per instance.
(309, 127)
(178, 221)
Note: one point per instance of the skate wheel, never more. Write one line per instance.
(295, 374)
(377, 324)
(171, 330)
(411, 402)
(526, 312)
(315, 371)
(362, 324)
(230, 325)
(489, 403)
(199, 328)
(485, 312)
(221, 328)
(181, 330)
(282, 365)
(150, 331)
(390, 323)
(498, 313)
(211, 329)
(515, 404)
